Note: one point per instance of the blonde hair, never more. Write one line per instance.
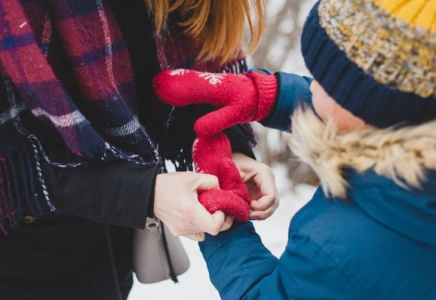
(217, 24)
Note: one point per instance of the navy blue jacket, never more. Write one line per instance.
(379, 243)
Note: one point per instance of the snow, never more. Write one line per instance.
(195, 284)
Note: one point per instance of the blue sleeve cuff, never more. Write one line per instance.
(237, 262)
(239, 231)
(293, 90)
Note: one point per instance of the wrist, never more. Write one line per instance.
(266, 88)
(293, 91)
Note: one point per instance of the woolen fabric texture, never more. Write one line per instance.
(213, 155)
(236, 105)
(77, 251)
(356, 72)
(376, 242)
(212, 152)
(336, 249)
(96, 121)
(101, 68)
(68, 84)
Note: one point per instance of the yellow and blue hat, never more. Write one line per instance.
(376, 58)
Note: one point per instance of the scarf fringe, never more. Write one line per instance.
(236, 67)
(20, 185)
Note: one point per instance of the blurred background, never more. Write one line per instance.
(279, 50)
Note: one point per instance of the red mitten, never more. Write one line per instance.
(243, 98)
(213, 155)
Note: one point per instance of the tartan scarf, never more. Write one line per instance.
(67, 77)
(101, 67)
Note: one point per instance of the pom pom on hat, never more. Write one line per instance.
(419, 13)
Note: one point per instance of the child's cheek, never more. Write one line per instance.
(328, 109)
(324, 106)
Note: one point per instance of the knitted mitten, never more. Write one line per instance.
(213, 155)
(242, 98)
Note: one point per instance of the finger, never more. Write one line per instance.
(220, 218)
(262, 215)
(207, 182)
(263, 203)
(253, 192)
(219, 120)
(199, 237)
(228, 222)
(206, 222)
(267, 192)
(264, 207)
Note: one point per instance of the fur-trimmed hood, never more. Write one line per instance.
(388, 173)
(401, 154)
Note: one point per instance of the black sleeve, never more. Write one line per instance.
(118, 193)
(239, 140)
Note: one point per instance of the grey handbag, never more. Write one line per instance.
(157, 254)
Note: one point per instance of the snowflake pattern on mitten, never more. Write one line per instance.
(212, 78)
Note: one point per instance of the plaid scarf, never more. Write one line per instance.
(101, 68)
(67, 77)
(97, 123)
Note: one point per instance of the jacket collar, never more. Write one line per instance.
(396, 167)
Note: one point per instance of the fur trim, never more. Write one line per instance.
(402, 154)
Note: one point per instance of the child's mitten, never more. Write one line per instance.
(243, 98)
(212, 155)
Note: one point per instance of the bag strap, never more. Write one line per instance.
(172, 274)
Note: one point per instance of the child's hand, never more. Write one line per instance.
(260, 182)
(242, 98)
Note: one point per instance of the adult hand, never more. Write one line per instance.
(260, 182)
(176, 204)
(241, 98)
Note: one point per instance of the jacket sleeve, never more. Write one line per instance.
(118, 193)
(240, 267)
(293, 90)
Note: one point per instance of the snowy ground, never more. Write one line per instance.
(194, 284)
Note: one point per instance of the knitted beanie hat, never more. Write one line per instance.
(376, 58)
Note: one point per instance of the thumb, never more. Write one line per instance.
(221, 119)
(202, 219)
(207, 182)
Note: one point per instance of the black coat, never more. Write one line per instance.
(83, 249)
